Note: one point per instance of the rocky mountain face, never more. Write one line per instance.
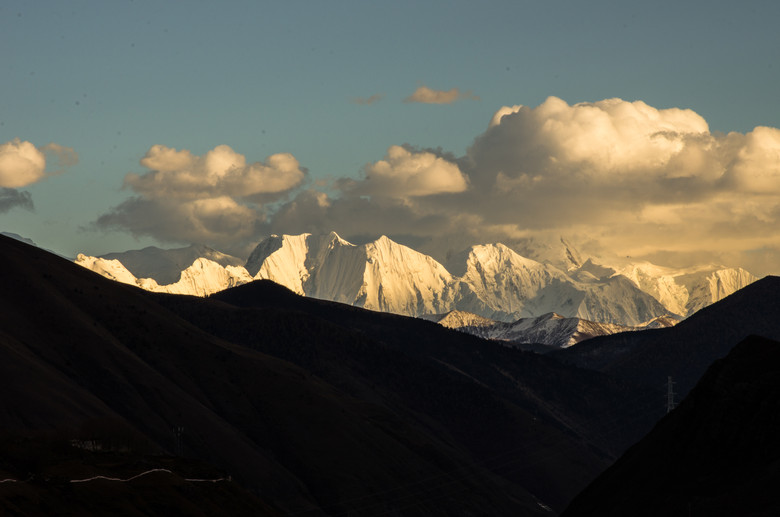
(492, 280)
(552, 330)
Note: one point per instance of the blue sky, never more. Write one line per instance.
(110, 80)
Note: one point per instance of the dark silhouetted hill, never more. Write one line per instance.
(716, 454)
(312, 408)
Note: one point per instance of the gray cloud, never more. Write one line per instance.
(12, 198)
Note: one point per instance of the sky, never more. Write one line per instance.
(639, 129)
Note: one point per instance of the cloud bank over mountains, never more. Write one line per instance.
(613, 175)
(216, 198)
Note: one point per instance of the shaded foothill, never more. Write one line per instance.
(686, 350)
(715, 454)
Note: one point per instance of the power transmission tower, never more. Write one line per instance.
(178, 431)
(669, 394)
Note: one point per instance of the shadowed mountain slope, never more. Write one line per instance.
(76, 349)
(687, 349)
(547, 425)
(716, 454)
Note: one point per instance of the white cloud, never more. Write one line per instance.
(220, 172)
(21, 164)
(426, 95)
(217, 198)
(624, 177)
(404, 173)
(757, 166)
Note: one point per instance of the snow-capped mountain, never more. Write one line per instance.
(549, 329)
(380, 275)
(684, 291)
(165, 266)
(456, 319)
(497, 283)
(202, 278)
(491, 280)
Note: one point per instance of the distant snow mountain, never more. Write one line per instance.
(202, 278)
(380, 275)
(685, 291)
(552, 330)
(491, 280)
(165, 266)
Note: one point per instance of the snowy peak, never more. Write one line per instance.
(456, 319)
(498, 283)
(202, 278)
(112, 269)
(492, 281)
(380, 275)
(165, 266)
(685, 291)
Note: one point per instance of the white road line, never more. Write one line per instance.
(118, 479)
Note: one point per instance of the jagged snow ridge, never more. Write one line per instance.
(685, 291)
(112, 269)
(456, 319)
(165, 265)
(381, 275)
(490, 280)
(202, 278)
(550, 329)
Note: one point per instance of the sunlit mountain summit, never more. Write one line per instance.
(490, 280)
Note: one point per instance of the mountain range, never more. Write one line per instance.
(259, 401)
(305, 406)
(492, 280)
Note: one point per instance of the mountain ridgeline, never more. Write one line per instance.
(491, 281)
(301, 406)
(717, 454)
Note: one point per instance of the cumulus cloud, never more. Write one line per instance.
(216, 198)
(220, 172)
(404, 173)
(367, 101)
(614, 176)
(426, 95)
(12, 198)
(21, 164)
